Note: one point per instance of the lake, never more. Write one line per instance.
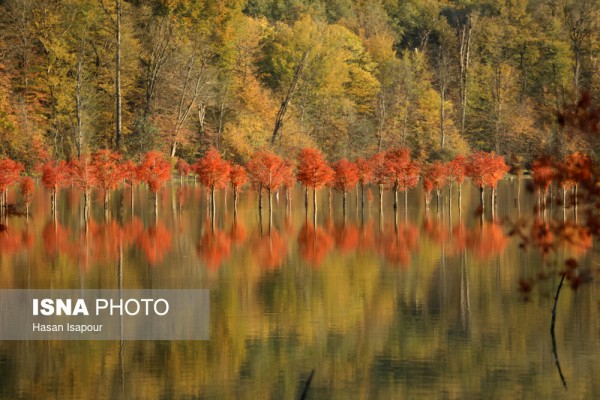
(424, 304)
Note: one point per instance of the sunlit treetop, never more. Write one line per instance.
(213, 170)
(313, 170)
(154, 170)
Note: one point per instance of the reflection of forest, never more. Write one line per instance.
(423, 305)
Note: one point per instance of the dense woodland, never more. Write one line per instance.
(349, 77)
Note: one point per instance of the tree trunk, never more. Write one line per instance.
(155, 205)
(119, 10)
(481, 199)
(78, 100)
(288, 97)
(132, 192)
(380, 198)
(464, 57)
(212, 200)
(306, 198)
(86, 203)
(235, 201)
(395, 198)
(344, 203)
(270, 200)
(362, 197)
(106, 198)
(315, 202)
(259, 198)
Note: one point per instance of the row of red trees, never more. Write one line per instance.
(105, 170)
(568, 174)
(392, 170)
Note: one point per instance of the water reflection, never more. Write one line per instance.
(416, 304)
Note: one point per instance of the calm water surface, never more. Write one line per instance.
(424, 305)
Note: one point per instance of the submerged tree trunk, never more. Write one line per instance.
(380, 198)
(235, 201)
(212, 201)
(270, 200)
(106, 199)
(481, 199)
(362, 196)
(86, 204)
(315, 203)
(155, 205)
(306, 198)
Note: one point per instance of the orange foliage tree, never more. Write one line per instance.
(401, 172)
(82, 174)
(379, 175)
(576, 168)
(289, 181)
(346, 178)
(213, 172)
(486, 169)
(55, 175)
(27, 192)
(438, 174)
(154, 170)
(314, 172)
(365, 175)
(107, 172)
(427, 188)
(183, 169)
(457, 170)
(267, 171)
(543, 174)
(130, 174)
(10, 171)
(237, 178)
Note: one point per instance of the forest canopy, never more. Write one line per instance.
(351, 77)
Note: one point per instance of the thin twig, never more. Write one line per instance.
(553, 335)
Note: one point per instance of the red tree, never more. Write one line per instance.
(365, 176)
(237, 178)
(289, 181)
(313, 172)
(457, 170)
(486, 169)
(10, 171)
(401, 172)
(499, 168)
(267, 171)
(573, 170)
(55, 175)
(379, 175)
(27, 192)
(82, 174)
(427, 188)
(154, 170)
(438, 174)
(213, 172)
(543, 174)
(130, 174)
(346, 178)
(107, 172)
(183, 169)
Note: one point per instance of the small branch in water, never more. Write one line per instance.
(553, 335)
(307, 385)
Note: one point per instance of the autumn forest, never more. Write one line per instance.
(350, 78)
